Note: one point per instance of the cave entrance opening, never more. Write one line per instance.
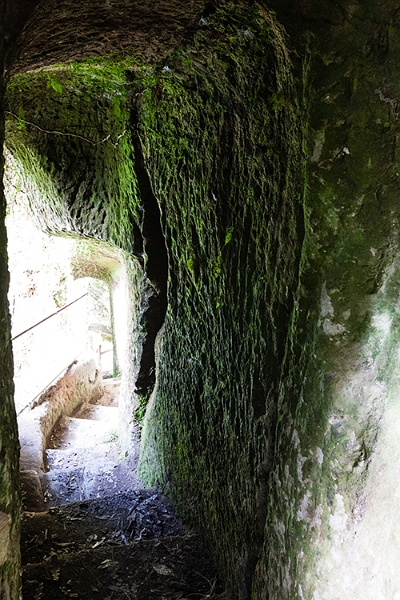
(63, 297)
(74, 463)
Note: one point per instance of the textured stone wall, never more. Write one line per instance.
(335, 472)
(60, 31)
(9, 447)
(221, 135)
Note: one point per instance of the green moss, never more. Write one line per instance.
(54, 84)
(228, 235)
(213, 139)
(97, 260)
(75, 147)
(191, 262)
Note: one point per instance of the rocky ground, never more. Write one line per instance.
(102, 535)
(84, 457)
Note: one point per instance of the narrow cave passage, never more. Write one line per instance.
(250, 151)
(178, 165)
(85, 511)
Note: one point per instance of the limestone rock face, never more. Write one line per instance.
(246, 164)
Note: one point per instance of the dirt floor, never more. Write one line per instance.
(103, 536)
(129, 546)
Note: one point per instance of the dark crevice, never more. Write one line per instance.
(156, 267)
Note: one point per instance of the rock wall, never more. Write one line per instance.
(334, 490)
(9, 447)
(220, 128)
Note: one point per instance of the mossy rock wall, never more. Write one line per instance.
(335, 461)
(10, 503)
(68, 131)
(220, 127)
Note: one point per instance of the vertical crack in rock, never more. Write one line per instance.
(155, 266)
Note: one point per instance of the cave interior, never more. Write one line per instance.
(241, 158)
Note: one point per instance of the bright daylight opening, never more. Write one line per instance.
(49, 308)
(69, 304)
(66, 366)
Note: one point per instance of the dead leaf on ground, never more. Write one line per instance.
(108, 563)
(162, 570)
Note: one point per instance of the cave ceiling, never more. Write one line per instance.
(40, 34)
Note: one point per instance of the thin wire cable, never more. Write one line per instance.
(65, 133)
(49, 317)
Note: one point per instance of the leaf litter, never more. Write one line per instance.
(128, 546)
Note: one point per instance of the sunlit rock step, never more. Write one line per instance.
(86, 433)
(97, 412)
(71, 458)
(85, 481)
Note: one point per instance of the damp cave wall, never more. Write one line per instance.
(277, 361)
(232, 206)
(10, 501)
(334, 496)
